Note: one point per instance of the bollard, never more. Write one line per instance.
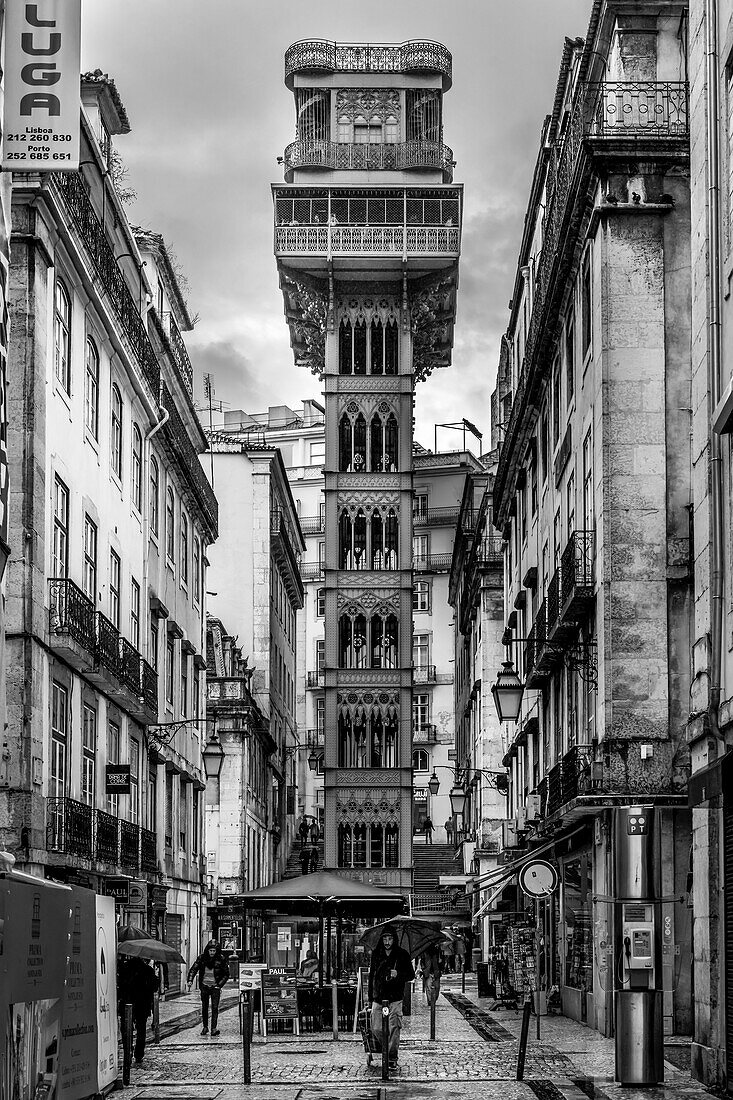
(526, 1013)
(126, 1044)
(335, 1008)
(246, 1039)
(463, 976)
(156, 1017)
(385, 1040)
(432, 1021)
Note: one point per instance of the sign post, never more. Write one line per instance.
(538, 879)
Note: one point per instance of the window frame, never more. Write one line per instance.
(88, 754)
(420, 585)
(58, 780)
(62, 336)
(170, 526)
(115, 432)
(115, 588)
(135, 613)
(154, 497)
(91, 389)
(196, 569)
(183, 546)
(90, 558)
(136, 468)
(60, 540)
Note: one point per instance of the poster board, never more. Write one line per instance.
(362, 993)
(250, 976)
(280, 996)
(78, 1042)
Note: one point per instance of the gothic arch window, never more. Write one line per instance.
(368, 643)
(361, 560)
(374, 344)
(378, 548)
(391, 532)
(360, 347)
(345, 541)
(360, 443)
(346, 444)
(368, 845)
(346, 365)
(376, 433)
(390, 642)
(391, 341)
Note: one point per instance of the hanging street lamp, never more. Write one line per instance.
(507, 692)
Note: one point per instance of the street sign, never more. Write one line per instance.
(638, 824)
(118, 888)
(117, 777)
(539, 878)
(138, 899)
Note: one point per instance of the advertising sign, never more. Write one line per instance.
(138, 896)
(78, 1044)
(250, 976)
(106, 964)
(117, 778)
(279, 996)
(119, 889)
(538, 878)
(41, 77)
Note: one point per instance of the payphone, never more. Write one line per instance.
(638, 947)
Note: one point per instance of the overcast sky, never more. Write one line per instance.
(202, 83)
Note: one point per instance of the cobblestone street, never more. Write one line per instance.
(569, 1061)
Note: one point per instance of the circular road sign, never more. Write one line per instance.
(539, 878)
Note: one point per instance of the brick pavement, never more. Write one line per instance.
(570, 1062)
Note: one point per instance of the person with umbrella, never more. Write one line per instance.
(136, 985)
(213, 973)
(390, 971)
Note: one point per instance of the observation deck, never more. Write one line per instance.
(344, 156)
(319, 55)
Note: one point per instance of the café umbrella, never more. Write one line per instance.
(127, 932)
(415, 934)
(151, 949)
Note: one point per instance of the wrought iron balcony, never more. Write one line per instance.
(315, 679)
(577, 590)
(129, 845)
(432, 563)
(226, 690)
(424, 674)
(397, 156)
(312, 525)
(424, 734)
(285, 549)
(330, 57)
(106, 837)
(69, 826)
(149, 685)
(130, 666)
(177, 436)
(71, 614)
(148, 851)
(638, 108)
(553, 603)
(436, 517)
(69, 187)
(315, 739)
(311, 570)
(569, 778)
(108, 645)
(171, 337)
(489, 552)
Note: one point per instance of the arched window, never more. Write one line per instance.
(391, 532)
(170, 525)
(154, 502)
(136, 468)
(345, 358)
(376, 455)
(184, 548)
(345, 540)
(360, 541)
(420, 760)
(377, 540)
(360, 445)
(376, 356)
(116, 433)
(346, 434)
(91, 389)
(390, 642)
(62, 335)
(391, 344)
(390, 444)
(196, 569)
(368, 845)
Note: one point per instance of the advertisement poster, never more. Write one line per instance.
(279, 993)
(41, 76)
(35, 951)
(77, 1074)
(106, 962)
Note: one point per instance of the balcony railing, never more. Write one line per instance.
(129, 845)
(311, 570)
(432, 563)
(69, 826)
(569, 778)
(106, 838)
(489, 552)
(130, 666)
(368, 240)
(148, 852)
(70, 188)
(333, 155)
(108, 645)
(436, 517)
(577, 574)
(149, 684)
(315, 679)
(423, 674)
(553, 602)
(330, 57)
(315, 739)
(638, 108)
(71, 613)
(180, 351)
(312, 525)
(439, 901)
(226, 689)
(425, 734)
(177, 435)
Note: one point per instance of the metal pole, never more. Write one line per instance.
(463, 974)
(432, 1021)
(335, 1008)
(526, 1012)
(127, 1044)
(156, 1017)
(537, 964)
(385, 1040)
(246, 1039)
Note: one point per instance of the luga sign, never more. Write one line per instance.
(42, 66)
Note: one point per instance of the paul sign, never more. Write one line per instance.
(42, 103)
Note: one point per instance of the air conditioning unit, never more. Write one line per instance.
(533, 807)
(521, 819)
(509, 835)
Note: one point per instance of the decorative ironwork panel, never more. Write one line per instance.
(55, 839)
(71, 613)
(424, 674)
(553, 600)
(129, 666)
(418, 56)
(78, 821)
(148, 851)
(639, 108)
(149, 683)
(108, 645)
(106, 837)
(360, 804)
(129, 845)
(577, 564)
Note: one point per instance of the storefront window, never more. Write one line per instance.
(578, 918)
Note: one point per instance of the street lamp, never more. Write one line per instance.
(458, 798)
(507, 692)
(213, 757)
(313, 759)
(433, 784)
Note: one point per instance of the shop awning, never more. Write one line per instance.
(322, 892)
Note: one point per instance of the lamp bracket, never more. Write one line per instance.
(164, 732)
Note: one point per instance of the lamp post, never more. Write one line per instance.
(213, 756)
(313, 759)
(507, 691)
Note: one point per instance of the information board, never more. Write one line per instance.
(279, 996)
(250, 976)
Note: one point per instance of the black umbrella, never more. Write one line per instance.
(127, 932)
(415, 934)
(151, 949)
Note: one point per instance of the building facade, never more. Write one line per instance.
(591, 497)
(257, 589)
(367, 239)
(110, 522)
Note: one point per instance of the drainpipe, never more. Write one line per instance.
(712, 106)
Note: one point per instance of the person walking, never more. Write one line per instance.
(460, 953)
(305, 859)
(449, 830)
(303, 831)
(448, 952)
(136, 985)
(430, 967)
(213, 973)
(390, 971)
(314, 858)
(428, 827)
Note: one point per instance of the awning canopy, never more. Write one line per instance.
(322, 892)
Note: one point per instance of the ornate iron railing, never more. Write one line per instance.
(323, 56)
(432, 563)
(553, 600)
(130, 666)
(316, 153)
(108, 645)
(436, 517)
(540, 627)
(570, 777)
(106, 837)
(149, 685)
(371, 240)
(529, 653)
(70, 188)
(311, 570)
(489, 552)
(71, 612)
(175, 432)
(280, 526)
(312, 525)
(180, 351)
(638, 108)
(315, 679)
(423, 674)
(148, 851)
(438, 901)
(129, 845)
(577, 565)
(424, 734)
(69, 826)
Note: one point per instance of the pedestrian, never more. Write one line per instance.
(448, 952)
(213, 973)
(430, 967)
(314, 858)
(315, 832)
(136, 985)
(460, 952)
(449, 830)
(390, 971)
(428, 827)
(303, 831)
(305, 859)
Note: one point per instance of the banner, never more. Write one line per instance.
(42, 78)
(78, 1046)
(106, 992)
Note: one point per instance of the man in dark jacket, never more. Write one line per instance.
(136, 984)
(213, 972)
(390, 971)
